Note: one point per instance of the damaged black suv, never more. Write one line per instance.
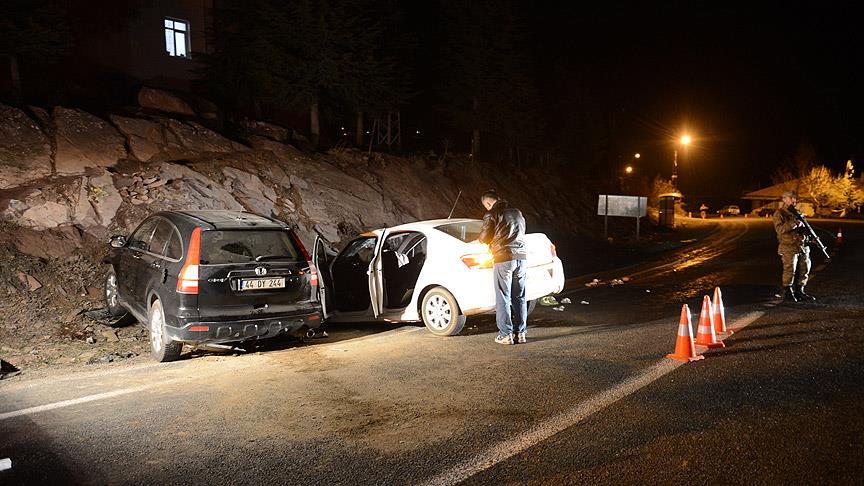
(208, 277)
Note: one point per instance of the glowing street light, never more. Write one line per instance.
(628, 169)
(685, 140)
(637, 155)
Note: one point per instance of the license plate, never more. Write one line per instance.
(262, 283)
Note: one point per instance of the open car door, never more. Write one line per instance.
(322, 257)
(376, 280)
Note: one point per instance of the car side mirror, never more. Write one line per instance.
(117, 241)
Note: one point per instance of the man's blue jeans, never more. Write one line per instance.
(511, 309)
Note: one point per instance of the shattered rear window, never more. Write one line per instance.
(466, 231)
(244, 246)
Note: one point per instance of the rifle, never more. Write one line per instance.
(809, 231)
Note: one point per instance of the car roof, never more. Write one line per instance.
(431, 223)
(222, 219)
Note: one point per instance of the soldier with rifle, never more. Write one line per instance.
(794, 234)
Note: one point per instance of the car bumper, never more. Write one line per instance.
(540, 280)
(233, 331)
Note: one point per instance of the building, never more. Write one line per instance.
(155, 43)
(109, 48)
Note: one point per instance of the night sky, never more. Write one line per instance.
(749, 84)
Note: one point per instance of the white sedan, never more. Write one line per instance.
(435, 271)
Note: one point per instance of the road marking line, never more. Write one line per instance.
(85, 399)
(511, 447)
(69, 403)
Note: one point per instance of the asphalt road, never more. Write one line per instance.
(589, 399)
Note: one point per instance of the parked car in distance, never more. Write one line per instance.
(209, 277)
(731, 210)
(431, 271)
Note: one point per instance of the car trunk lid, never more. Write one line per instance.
(246, 274)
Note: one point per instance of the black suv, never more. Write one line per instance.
(207, 277)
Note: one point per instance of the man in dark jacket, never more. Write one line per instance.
(793, 250)
(504, 231)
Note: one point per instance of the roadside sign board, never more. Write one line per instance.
(626, 206)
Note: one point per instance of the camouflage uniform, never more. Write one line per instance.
(793, 249)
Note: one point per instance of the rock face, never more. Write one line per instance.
(25, 152)
(195, 138)
(156, 99)
(143, 137)
(176, 165)
(167, 139)
(83, 141)
(250, 191)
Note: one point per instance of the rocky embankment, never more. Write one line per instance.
(69, 179)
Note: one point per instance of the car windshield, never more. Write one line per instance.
(243, 246)
(466, 231)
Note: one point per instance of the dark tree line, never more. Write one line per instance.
(31, 34)
(321, 57)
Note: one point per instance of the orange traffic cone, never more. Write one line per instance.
(719, 314)
(684, 349)
(706, 336)
(839, 235)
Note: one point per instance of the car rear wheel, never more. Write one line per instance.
(162, 348)
(441, 313)
(112, 297)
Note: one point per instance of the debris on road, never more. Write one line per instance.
(593, 283)
(648, 290)
(5, 464)
(339, 349)
(548, 300)
(559, 308)
(585, 302)
(565, 300)
(7, 369)
(616, 281)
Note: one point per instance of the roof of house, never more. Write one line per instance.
(777, 190)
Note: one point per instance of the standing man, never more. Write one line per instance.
(793, 250)
(503, 230)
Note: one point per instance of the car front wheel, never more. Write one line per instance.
(162, 347)
(112, 297)
(441, 313)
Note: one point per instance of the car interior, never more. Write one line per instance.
(349, 278)
(402, 259)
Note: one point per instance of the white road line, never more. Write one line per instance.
(85, 399)
(506, 449)
(69, 403)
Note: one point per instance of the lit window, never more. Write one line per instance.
(177, 37)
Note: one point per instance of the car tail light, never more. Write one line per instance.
(200, 328)
(553, 249)
(187, 281)
(478, 260)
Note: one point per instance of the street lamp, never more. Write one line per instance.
(626, 171)
(684, 141)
